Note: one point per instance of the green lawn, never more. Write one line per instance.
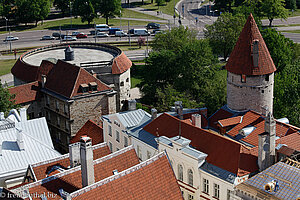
(6, 66)
(295, 13)
(167, 8)
(135, 81)
(133, 14)
(293, 31)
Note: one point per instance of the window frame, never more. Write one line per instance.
(180, 172)
(205, 188)
(117, 136)
(109, 130)
(216, 191)
(190, 177)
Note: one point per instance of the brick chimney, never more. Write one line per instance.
(86, 160)
(196, 120)
(74, 154)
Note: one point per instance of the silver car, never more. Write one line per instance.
(69, 38)
(48, 37)
(100, 34)
(10, 38)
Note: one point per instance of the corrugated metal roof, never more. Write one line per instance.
(133, 118)
(218, 172)
(37, 146)
(37, 128)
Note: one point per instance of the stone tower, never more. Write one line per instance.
(250, 77)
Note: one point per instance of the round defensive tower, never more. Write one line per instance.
(108, 63)
(250, 72)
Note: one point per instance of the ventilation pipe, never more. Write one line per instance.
(153, 113)
(20, 140)
(196, 120)
(131, 104)
(23, 114)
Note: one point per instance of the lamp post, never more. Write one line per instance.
(5, 23)
(120, 20)
(71, 13)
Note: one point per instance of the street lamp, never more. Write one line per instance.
(6, 23)
(71, 13)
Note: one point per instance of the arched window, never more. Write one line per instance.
(190, 177)
(180, 172)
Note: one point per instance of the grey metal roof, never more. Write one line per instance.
(218, 172)
(37, 146)
(133, 118)
(37, 128)
(287, 177)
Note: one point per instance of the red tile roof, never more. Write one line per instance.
(230, 121)
(26, 93)
(65, 79)
(92, 130)
(71, 180)
(291, 140)
(45, 67)
(240, 60)
(219, 115)
(41, 169)
(25, 72)
(153, 179)
(121, 64)
(222, 151)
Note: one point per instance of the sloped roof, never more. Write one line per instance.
(25, 93)
(151, 179)
(222, 151)
(92, 130)
(14, 159)
(42, 168)
(219, 115)
(133, 118)
(70, 180)
(291, 140)
(288, 178)
(230, 121)
(121, 64)
(65, 79)
(25, 72)
(241, 61)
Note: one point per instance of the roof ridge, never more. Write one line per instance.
(77, 168)
(78, 74)
(24, 84)
(116, 176)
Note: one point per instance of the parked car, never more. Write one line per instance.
(69, 38)
(153, 25)
(112, 31)
(99, 34)
(48, 37)
(120, 34)
(10, 38)
(58, 35)
(75, 33)
(81, 35)
(102, 27)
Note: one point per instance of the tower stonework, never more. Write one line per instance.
(250, 77)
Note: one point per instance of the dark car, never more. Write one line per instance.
(155, 31)
(112, 31)
(58, 35)
(81, 35)
(131, 31)
(153, 26)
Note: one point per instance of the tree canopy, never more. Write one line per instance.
(85, 10)
(7, 101)
(274, 9)
(224, 32)
(108, 8)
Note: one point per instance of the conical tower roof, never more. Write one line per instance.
(241, 59)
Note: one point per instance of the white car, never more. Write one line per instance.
(69, 38)
(48, 37)
(120, 34)
(10, 38)
(99, 34)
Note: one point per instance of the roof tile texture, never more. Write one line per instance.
(154, 181)
(230, 121)
(121, 64)
(72, 182)
(92, 130)
(26, 93)
(241, 60)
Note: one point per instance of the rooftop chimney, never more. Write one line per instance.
(270, 127)
(20, 140)
(265, 110)
(255, 54)
(196, 120)
(43, 80)
(23, 114)
(69, 54)
(132, 104)
(179, 109)
(74, 154)
(153, 113)
(86, 160)
(2, 116)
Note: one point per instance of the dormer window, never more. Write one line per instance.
(93, 86)
(84, 88)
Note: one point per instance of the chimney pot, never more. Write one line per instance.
(74, 154)
(179, 109)
(153, 113)
(86, 160)
(20, 140)
(23, 114)
(131, 104)
(196, 120)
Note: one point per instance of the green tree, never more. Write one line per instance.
(63, 5)
(32, 10)
(274, 9)
(224, 5)
(290, 4)
(281, 49)
(85, 10)
(287, 93)
(250, 6)
(7, 101)
(109, 8)
(224, 32)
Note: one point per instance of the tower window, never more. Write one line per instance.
(243, 78)
(262, 91)
(267, 77)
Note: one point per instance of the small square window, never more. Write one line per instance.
(125, 141)
(117, 136)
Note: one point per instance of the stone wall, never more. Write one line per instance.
(253, 94)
